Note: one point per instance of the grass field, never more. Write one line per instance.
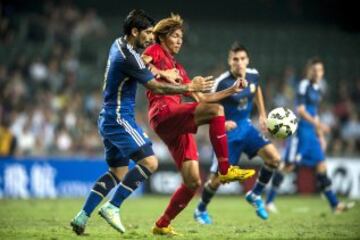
(300, 217)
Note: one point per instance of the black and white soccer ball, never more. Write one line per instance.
(282, 122)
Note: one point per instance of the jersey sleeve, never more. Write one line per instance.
(134, 67)
(301, 93)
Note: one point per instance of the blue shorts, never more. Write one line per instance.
(123, 139)
(304, 148)
(244, 139)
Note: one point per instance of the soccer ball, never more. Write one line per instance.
(281, 122)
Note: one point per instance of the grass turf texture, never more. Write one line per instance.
(300, 217)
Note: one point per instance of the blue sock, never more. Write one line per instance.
(271, 195)
(206, 196)
(275, 184)
(131, 181)
(331, 197)
(100, 189)
(263, 179)
(325, 185)
(92, 201)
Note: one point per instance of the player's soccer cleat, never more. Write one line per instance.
(235, 173)
(271, 207)
(343, 207)
(78, 224)
(202, 217)
(258, 203)
(111, 214)
(168, 231)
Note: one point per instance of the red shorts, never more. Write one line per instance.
(175, 125)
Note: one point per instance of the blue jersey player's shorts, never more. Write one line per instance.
(123, 139)
(244, 139)
(304, 148)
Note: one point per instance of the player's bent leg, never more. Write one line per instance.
(100, 190)
(271, 159)
(146, 164)
(119, 172)
(201, 214)
(277, 179)
(213, 114)
(180, 199)
(324, 183)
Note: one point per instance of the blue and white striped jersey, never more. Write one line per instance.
(238, 106)
(124, 70)
(308, 94)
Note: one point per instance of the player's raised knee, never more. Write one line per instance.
(274, 162)
(216, 110)
(193, 184)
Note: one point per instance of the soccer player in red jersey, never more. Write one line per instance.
(175, 121)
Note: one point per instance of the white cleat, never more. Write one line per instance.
(343, 207)
(111, 214)
(271, 207)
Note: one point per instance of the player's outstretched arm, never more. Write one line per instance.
(214, 97)
(321, 128)
(170, 75)
(200, 84)
(259, 101)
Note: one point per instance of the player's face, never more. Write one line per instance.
(317, 72)
(238, 62)
(145, 38)
(174, 41)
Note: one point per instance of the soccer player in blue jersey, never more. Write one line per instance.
(308, 146)
(122, 137)
(243, 137)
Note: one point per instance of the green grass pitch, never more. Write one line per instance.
(300, 218)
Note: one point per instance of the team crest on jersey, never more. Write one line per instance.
(145, 135)
(252, 87)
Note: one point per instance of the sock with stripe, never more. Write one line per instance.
(131, 181)
(100, 189)
(219, 142)
(263, 179)
(206, 196)
(325, 185)
(275, 184)
(178, 202)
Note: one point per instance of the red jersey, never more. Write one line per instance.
(162, 60)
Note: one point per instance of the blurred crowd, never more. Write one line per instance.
(43, 110)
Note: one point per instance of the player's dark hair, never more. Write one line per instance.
(137, 18)
(314, 60)
(311, 62)
(238, 47)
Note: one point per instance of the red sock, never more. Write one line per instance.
(178, 202)
(218, 140)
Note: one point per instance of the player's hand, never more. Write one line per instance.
(172, 76)
(240, 84)
(321, 127)
(230, 125)
(262, 124)
(201, 84)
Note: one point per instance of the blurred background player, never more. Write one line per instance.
(175, 122)
(242, 135)
(122, 137)
(308, 146)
